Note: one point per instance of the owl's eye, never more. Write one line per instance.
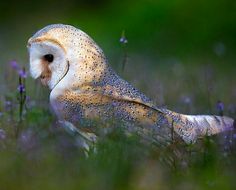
(48, 57)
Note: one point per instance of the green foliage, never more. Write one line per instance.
(44, 156)
(180, 53)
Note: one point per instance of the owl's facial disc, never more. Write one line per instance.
(47, 62)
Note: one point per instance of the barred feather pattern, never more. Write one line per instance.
(191, 127)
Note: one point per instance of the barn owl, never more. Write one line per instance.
(84, 88)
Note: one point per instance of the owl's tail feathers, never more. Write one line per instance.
(190, 127)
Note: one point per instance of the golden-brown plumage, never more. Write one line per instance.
(85, 88)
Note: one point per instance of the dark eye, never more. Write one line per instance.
(48, 57)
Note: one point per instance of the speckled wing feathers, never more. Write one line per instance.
(91, 90)
(133, 106)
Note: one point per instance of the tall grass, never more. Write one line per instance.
(35, 153)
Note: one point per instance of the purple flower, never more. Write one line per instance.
(123, 40)
(21, 88)
(14, 65)
(220, 107)
(22, 73)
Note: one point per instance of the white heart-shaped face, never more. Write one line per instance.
(47, 62)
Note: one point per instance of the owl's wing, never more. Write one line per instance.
(118, 89)
(188, 127)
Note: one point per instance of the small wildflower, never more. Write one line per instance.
(14, 65)
(22, 73)
(21, 88)
(220, 107)
(123, 39)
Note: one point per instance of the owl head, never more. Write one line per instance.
(62, 54)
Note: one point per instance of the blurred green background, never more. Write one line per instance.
(168, 42)
(155, 27)
(180, 53)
